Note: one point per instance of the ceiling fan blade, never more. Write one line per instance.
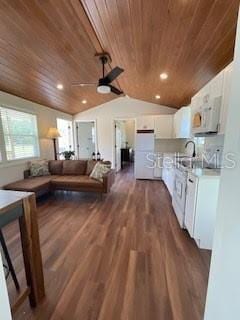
(113, 74)
(115, 90)
(79, 84)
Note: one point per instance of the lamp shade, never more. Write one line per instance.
(53, 133)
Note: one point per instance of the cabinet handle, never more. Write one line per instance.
(190, 180)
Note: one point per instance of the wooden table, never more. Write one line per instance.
(22, 206)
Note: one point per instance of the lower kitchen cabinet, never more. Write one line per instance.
(201, 208)
(168, 172)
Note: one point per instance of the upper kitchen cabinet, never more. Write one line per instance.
(145, 123)
(225, 98)
(214, 96)
(163, 126)
(182, 123)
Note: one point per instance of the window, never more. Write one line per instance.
(19, 135)
(65, 142)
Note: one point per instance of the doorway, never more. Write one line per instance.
(124, 143)
(86, 139)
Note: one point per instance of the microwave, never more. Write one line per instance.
(205, 119)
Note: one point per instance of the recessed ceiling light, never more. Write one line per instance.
(164, 76)
(157, 96)
(84, 101)
(59, 86)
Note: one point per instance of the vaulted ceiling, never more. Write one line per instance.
(46, 42)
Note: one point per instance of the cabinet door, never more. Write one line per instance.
(177, 119)
(158, 167)
(145, 123)
(226, 94)
(163, 126)
(164, 174)
(190, 207)
(185, 125)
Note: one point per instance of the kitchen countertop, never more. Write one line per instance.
(201, 172)
(175, 154)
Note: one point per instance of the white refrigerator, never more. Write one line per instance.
(144, 156)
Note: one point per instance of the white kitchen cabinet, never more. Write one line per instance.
(163, 126)
(182, 123)
(201, 208)
(145, 123)
(226, 94)
(192, 183)
(218, 87)
(157, 172)
(168, 172)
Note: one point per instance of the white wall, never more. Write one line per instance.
(224, 283)
(46, 118)
(130, 133)
(121, 108)
(170, 145)
(4, 301)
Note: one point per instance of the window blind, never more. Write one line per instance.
(20, 134)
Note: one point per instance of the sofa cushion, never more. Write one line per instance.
(39, 168)
(76, 182)
(31, 184)
(55, 166)
(74, 167)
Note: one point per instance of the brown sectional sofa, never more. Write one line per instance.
(72, 175)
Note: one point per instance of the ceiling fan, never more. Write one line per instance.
(104, 84)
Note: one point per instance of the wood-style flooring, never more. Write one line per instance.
(119, 257)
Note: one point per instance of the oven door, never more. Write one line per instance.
(179, 195)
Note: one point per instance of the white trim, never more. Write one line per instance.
(75, 134)
(17, 162)
(114, 136)
(8, 163)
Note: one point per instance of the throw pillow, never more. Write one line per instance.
(99, 171)
(39, 168)
(90, 166)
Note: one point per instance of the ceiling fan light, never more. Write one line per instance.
(103, 89)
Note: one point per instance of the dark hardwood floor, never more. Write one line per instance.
(120, 257)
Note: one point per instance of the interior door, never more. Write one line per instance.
(86, 139)
(118, 144)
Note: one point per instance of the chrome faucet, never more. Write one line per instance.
(194, 147)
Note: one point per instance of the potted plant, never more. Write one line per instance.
(68, 154)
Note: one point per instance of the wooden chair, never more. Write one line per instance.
(9, 261)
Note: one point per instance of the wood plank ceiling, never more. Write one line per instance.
(45, 42)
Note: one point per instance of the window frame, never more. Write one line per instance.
(4, 162)
(71, 133)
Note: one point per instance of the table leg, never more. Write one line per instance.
(31, 250)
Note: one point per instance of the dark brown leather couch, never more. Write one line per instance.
(72, 175)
